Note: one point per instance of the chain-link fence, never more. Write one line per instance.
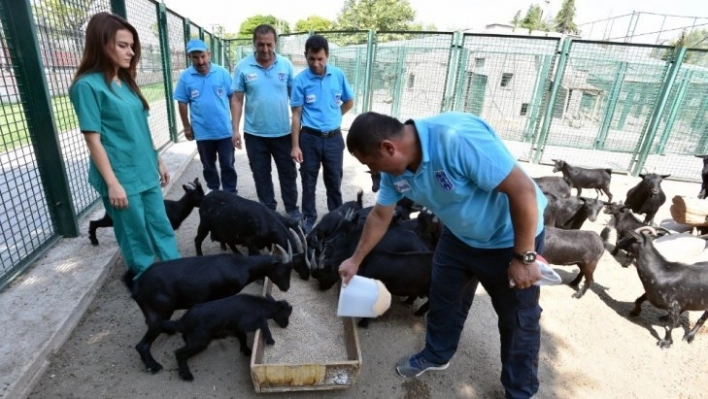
(596, 104)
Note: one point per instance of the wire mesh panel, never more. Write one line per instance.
(505, 79)
(193, 31)
(605, 102)
(409, 73)
(292, 46)
(207, 40)
(61, 34)
(347, 51)
(143, 15)
(178, 51)
(683, 131)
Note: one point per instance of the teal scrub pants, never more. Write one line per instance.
(143, 230)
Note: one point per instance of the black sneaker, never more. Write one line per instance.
(413, 366)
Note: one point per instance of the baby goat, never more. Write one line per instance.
(176, 211)
(574, 247)
(674, 286)
(235, 315)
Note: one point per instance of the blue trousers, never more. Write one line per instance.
(457, 269)
(260, 150)
(143, 230)
(328, 151)
(208, 152)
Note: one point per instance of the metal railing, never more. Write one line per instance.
(626, 106)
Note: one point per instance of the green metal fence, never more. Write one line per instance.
(43, 185)
(596, 104)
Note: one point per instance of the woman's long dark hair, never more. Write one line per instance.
(100, 38)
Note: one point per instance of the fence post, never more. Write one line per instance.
(397, 83)
(369, 73)
(201, 33)
(539, 94)
(166, 68)
(118, 8)
(540, 143)
(451, 73)
(611, 105)
(21, 35)
(675, 106)
(647, 139)
(187, 36)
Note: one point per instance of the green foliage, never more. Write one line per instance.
(249, 25)
(516, 21)
(533, 20)
(377, 15)
(698, 39)
(564, 19)
(313, 23)
(65, 15)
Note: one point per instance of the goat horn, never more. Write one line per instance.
(298, 243)
(301, 234)
(320, 261)
(312, 262)
(650, 229)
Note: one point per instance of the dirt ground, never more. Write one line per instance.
(591, 348)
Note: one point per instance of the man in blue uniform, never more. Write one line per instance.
(455, 165)
(320, 96)
(205, 89)
(264, 80)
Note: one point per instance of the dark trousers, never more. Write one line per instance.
(208, 151)
(328, 151)
(457, 269)
(260, 150)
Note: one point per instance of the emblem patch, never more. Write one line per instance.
(281, 75)
(444, 181)
(251, 77)
(194, 94)
(402, 186)
(220, 91)
(310, 98)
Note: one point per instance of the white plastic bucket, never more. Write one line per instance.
(363, 297)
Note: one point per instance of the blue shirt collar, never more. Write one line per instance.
(311, 75)
(194, 71)
(255, 63)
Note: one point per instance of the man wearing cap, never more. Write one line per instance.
(264, 80)
(206, 89)
(320, 96)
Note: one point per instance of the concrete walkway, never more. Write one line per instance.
(40, 309)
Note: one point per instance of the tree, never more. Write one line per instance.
(313, 23)
(516, 21)
(249, 25)
(377, 15)
(220, 31)
(564, 19)
(61, 20)
(533, 20)
(697, 38)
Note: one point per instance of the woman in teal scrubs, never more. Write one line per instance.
(125, 168)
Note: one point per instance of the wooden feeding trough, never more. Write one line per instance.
(297, 367)
(690, 211)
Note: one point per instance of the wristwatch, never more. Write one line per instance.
(527, 257)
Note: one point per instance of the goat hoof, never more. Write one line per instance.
(155, 368)
(664, 344)
(688, 338)
(578, 295)
(270, 341)
(246, 352)
(186, 376)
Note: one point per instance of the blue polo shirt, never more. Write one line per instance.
(463, 161)
(266, 92)
(208, 99)
(320, 97)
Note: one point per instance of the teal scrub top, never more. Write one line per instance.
(119, 117)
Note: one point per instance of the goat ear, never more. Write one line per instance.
(368, 171)
(642, 175)
(665, 176)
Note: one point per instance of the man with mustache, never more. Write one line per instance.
(205, 89)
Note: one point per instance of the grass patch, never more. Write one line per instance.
(13, 126)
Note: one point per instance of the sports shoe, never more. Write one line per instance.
(413, 366)
(307, 225)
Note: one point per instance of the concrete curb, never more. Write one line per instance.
(43, 306)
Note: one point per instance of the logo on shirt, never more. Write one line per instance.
(251, 77)
(281, 76)
(444, 181)
(194, 94)
(220, 91)
(310, 98)
(402, 186)
(338, 99)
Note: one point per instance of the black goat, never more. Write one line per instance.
(625, 223)
(676, 287)
(704, 177)
(329, 223)
(428, 227)
(553, 185)
(647, 196)
(235, 315)
(581, 178)
(183, 283)
(176, 211)
(583, 248)
(234, 220)
(571, 213)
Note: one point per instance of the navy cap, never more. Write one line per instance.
(196, 45)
